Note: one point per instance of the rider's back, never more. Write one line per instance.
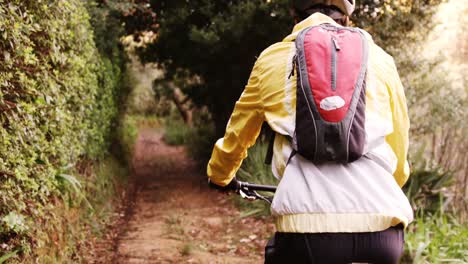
(326, 211)
(361, 196)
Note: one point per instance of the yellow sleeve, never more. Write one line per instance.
(241, 133)
(399, 138)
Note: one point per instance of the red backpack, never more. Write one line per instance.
(331, 63)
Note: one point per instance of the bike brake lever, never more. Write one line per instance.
(249, 195)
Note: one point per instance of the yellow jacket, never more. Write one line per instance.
(271, 96)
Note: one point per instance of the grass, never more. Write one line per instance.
(173, 220)
(437, 238)
(7, 256)
(187, 249)
(174, 226)
(198, 140)
(147, 121)
(127, 135)
(176, 132)
(429, 189)
(254, 170)
(90, 194)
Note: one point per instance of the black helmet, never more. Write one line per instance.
(346, 6)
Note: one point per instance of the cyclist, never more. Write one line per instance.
(325, 212)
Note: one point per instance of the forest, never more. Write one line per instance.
(110, 110)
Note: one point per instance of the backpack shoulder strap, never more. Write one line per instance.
(271, 143)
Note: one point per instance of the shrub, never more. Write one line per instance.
(127, 135)
(200, 143)
(428, 190)
(59, 97)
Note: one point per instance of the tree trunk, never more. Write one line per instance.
(180, 101)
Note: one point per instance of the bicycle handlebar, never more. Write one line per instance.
(249, 191)
(255, 187)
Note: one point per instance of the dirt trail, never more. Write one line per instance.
(174, 218)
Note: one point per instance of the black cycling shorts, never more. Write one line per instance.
(336, 248)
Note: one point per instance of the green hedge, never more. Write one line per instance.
(58, 102)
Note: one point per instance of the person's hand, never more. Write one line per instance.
(231, 187)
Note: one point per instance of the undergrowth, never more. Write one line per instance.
(82, 212)
(254, 170)
(198, 139)
(437, 238)
(200, 143)
(176, 132)
(128, 133)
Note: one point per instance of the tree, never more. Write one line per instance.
(217, 42)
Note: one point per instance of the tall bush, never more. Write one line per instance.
(58, 99)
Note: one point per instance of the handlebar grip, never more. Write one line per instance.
(232, 186)
(256, 187)
(236, 185)
(264, 188)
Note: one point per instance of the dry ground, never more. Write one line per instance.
(172, 217)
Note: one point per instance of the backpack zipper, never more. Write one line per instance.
(335, 49)
(335, 44)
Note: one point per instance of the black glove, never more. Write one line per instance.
(231, 187)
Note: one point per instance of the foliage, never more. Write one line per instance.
(176, 132)
(14, 222)
(427, 190)
(436, 106)
(196, 37)
(8, 256)
(58, 99)
(437, 112)
(200, 143)
(71, 190)
(437, 238)
(255, 170)
(393, 23)
(142, 99)
(128, 133)
(85, 213)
